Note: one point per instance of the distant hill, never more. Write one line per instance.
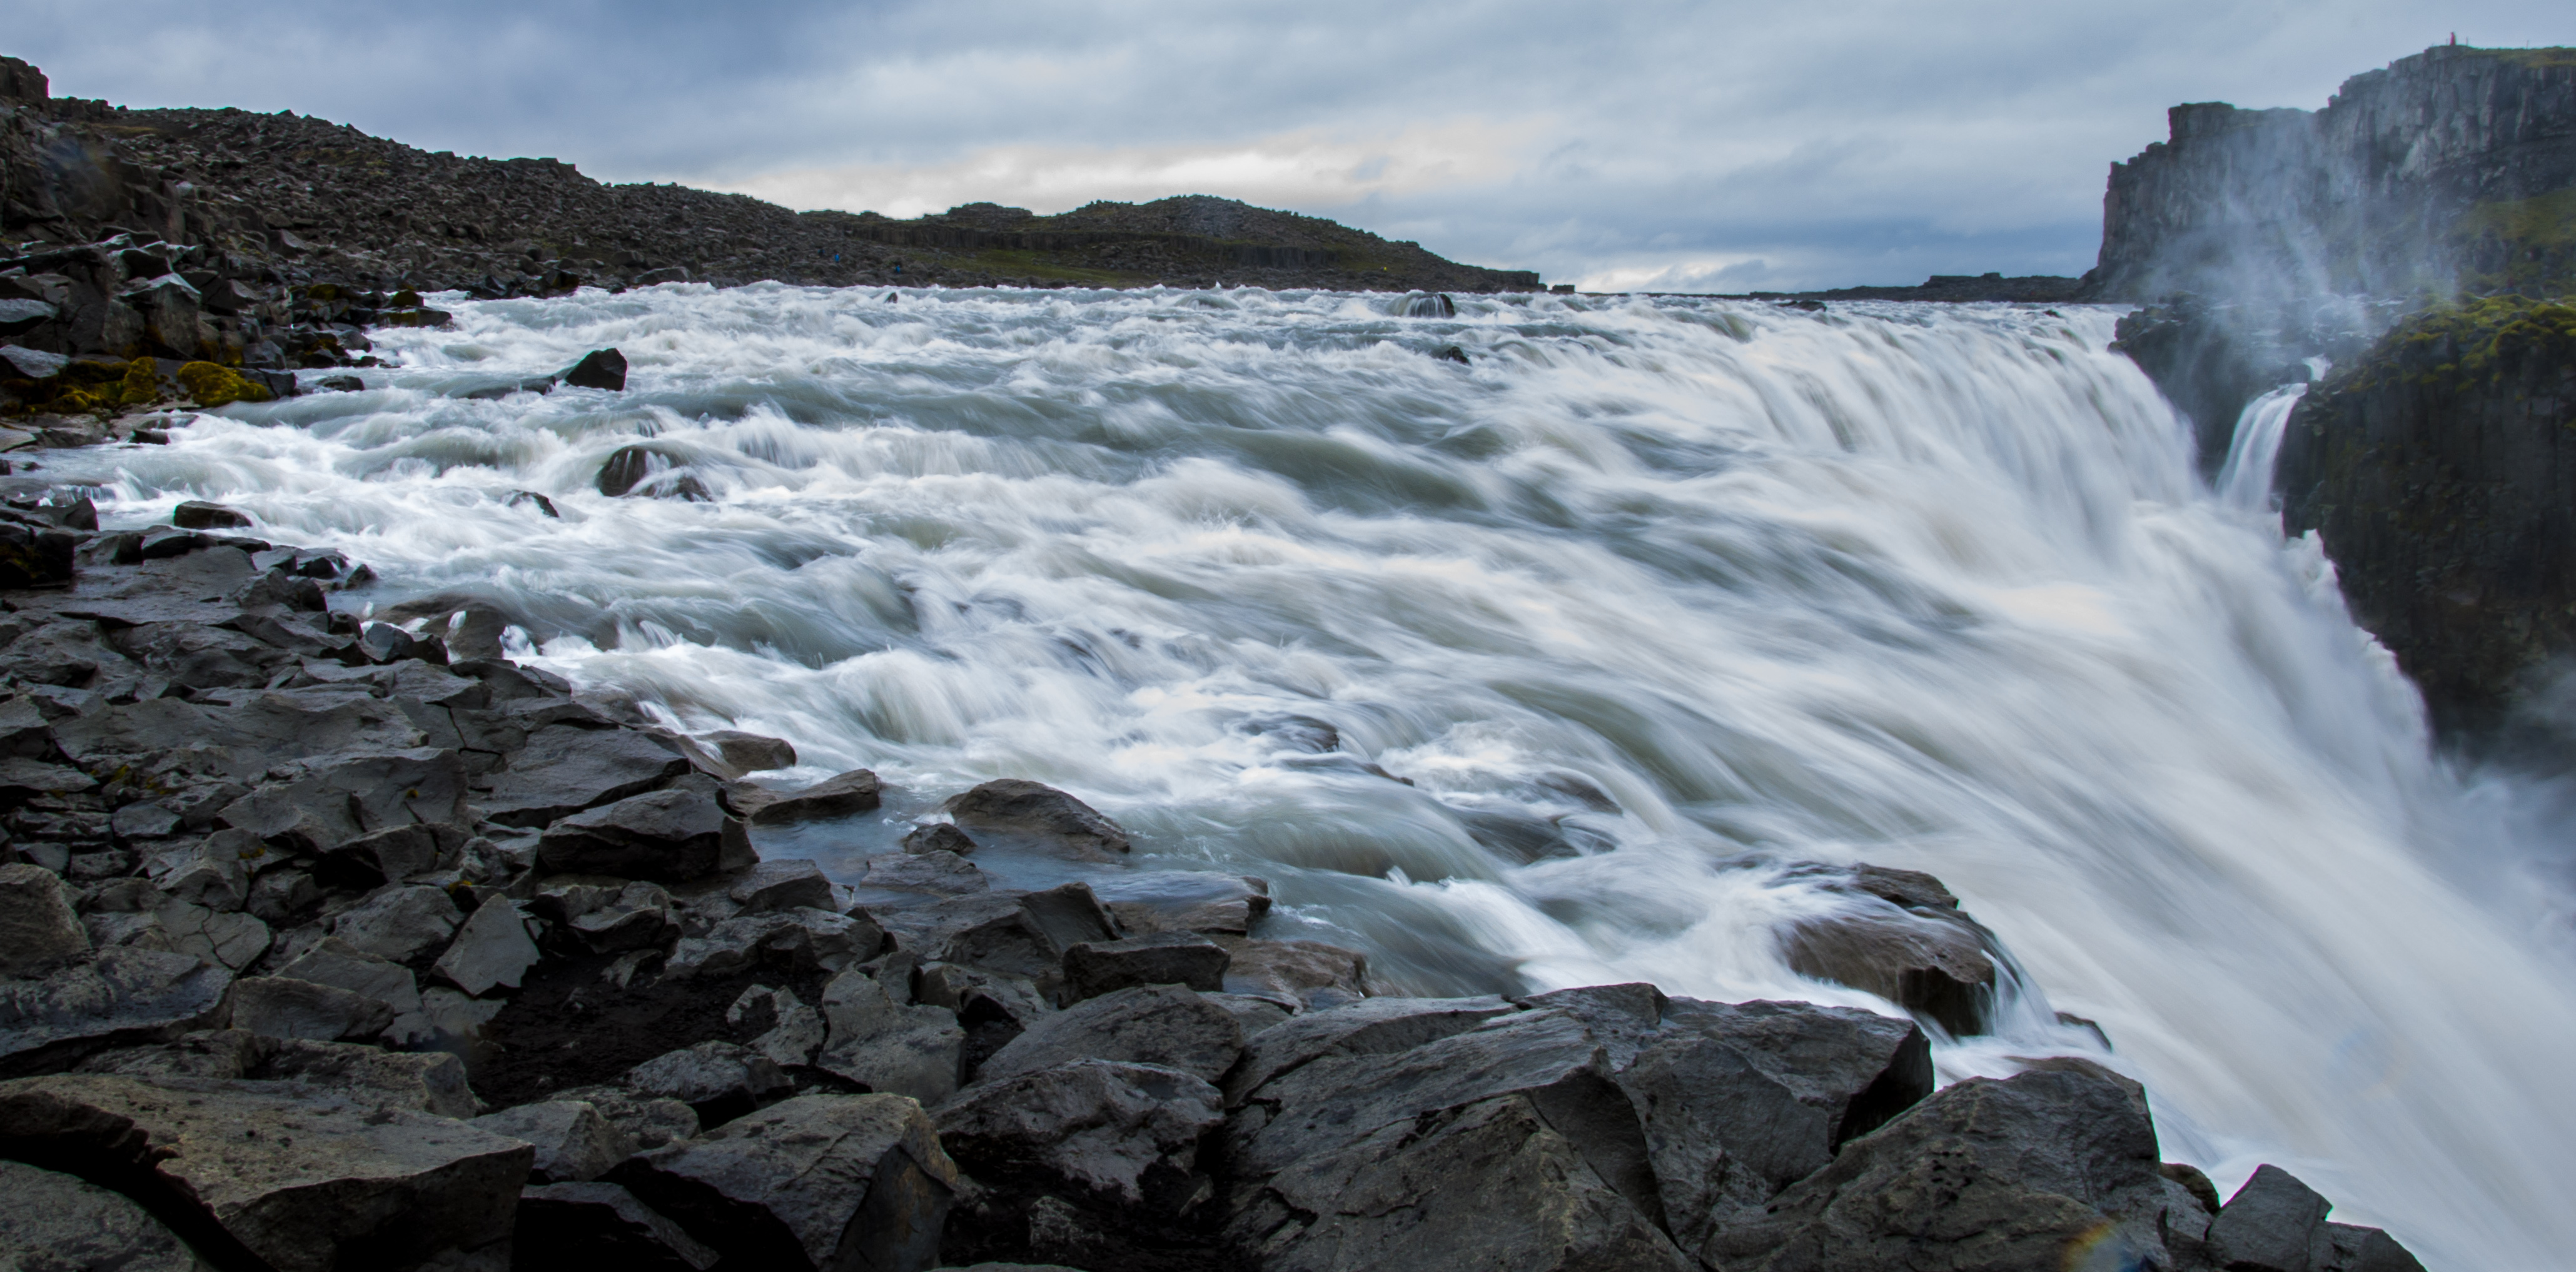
(344, 206)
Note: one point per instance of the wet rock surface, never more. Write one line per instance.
(325, 887)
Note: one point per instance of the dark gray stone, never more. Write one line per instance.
(399, 924)
(1374, 1026)
(751, 752)
(345, 797)
(938, 837)
(2273, 1224)
(282, 1007)
(1722, 1135)
(1040, 812)
(668, 836)
(1152, 1024)
(492, 948)
(651, 1121)
(1024, 935)
(197, 514)
(1186, 901)
(782, 885)
(815, 1182)
(120, 997)
(888, 1045)
(1311, 973)
(239, 1167)
(938, 873)
(598, 369)
(1118, 1136)
(573, 1142)
(792, 940)
(1859, 1068)
(607, 914)
(62, 1223)
(38, 929)
(720, 1080)
(1186, 959)
(838, 796)
(564, 770)
(2027, 1170)
(600, 1225)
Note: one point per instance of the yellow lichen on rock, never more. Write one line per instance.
(212, 385)
(141, 385)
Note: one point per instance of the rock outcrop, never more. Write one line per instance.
(2436, 470)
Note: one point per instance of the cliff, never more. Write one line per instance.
(2452, 169)
(2437, 470)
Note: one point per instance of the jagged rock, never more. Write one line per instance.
(600, 1225)
(196, 514)
(939, 873)
(38, 929)
(398, 924)
(1935, 963)
(1094, 968)
(213, 872)
(1376, 1026)
(719, 1080)
(120, 997)
(1253, 1012)
(239, 1167)
(1493, 1183)
(1041, 813)
(1152, 1024)
(1325, 1106)
(751, 752)
(795, 1030)
(1722, 1135)
(335, 962)
(838, 796)
(491, 948)
(642, 470)
(818, 1181)
(62, 1223)
(282, 1007)
(651, 1121)
(2273, 1224)
(1625, 1018)
(607, 914)
(598, 369)
(993, 1007)
(890, 1046)
(782, 885)
(1856, 1067)
(938, 837)
(2028, 1169)
(1310, 972)
(668, 836)
(573, 1142)
(391, 855)
(564, 770)
(2353, 1248)
(1024, 935)
(1118, 1136)
(794, 939)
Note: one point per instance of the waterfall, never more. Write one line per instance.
(1648, 601)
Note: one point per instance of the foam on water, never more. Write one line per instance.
(1650, 600)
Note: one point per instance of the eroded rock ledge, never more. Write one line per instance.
(331, 944)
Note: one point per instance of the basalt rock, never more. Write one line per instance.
(599, 1224)
(1161, 1025)
(1041, 813)
(1165, 958)
(574, 1143)
(838, 796)
(671, 836)
(54, 1220)
(598, 369)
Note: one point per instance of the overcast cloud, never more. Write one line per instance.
(1718, 146)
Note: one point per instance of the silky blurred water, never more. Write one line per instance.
(1648, 600)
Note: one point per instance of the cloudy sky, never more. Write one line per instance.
(1716, 146)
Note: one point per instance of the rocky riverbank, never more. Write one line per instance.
(335, 942)
(283, 200)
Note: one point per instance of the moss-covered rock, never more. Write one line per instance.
(2440, 470)
(211, 385)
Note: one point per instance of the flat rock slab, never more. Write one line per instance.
(282, 1007)
(398, 924)
(121, 997)
(62, 1223)
(1160, 1025)
(290, 1175)
(1373, 1026)
(564, 770)
(841, 795)
(814, 1182)
(1187, 959)
(492, 948)
(782, 885)
(670, 836)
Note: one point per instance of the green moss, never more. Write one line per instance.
(214, 386)
(2537, 59)
(2470, 342)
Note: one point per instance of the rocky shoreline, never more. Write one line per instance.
(333, 942)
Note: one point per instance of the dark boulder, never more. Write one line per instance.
(282, 1007)
(564, 769)
(1186, 959)
(1899, 943)
(841, 795)
(1375, 1026)
(640, 470)
(598, 369)
(38, 929)
(668, 836)
(1102, 1152)
(1039, 812)
(120, 997)
(815, 1182)
(1435, 305)
(1857, 1068)
(1160, 1025)
(937, 837)
(882, 1041)
(299, 1180)
(197, 514)
(60, 1221)
(718, 1080)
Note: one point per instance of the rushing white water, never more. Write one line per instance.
(2245, 481)
(1712, 586)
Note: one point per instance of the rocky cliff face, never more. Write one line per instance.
(2452, 167)
(2441, 472)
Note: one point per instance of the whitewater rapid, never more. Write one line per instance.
(1648, 599)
